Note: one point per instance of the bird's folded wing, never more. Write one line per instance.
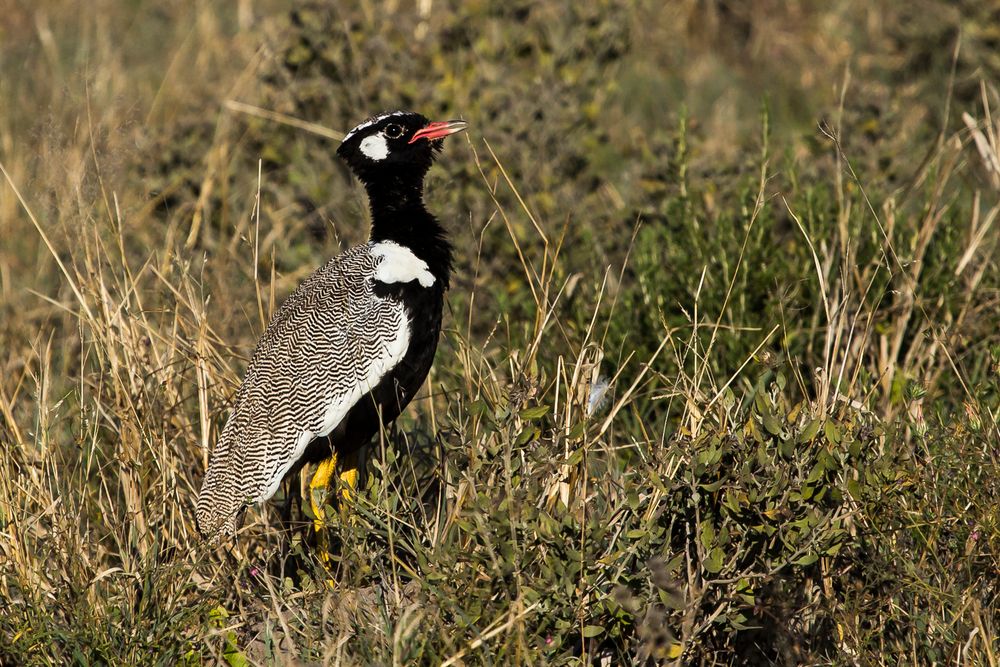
(326, 347)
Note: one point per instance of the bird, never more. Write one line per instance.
(350, 346)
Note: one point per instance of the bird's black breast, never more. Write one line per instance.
(397, 388)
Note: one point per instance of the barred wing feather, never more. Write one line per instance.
(327, 346)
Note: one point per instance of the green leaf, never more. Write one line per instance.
(808, 559)
(855, 449)
(815, 474)
(537, 412)
(526, 436)
(674, 564)
(713, 563)
(217, 615)
(479, 408)
(832, 432)
(707, 456)
(707, 534)
(760, 401)
(771, 423)
(810, 431)
(592, 630)
(632, 498)
(233, 655)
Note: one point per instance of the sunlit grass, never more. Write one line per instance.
(794, 456)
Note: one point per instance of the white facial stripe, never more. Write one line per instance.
(375, 147)
(371, 121)
(400, 265)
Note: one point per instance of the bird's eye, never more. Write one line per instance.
(393, 131)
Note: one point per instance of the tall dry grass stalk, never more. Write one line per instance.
(573, 481)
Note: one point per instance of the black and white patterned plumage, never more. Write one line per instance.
(351, 345)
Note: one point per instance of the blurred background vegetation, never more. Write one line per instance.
(721, 372)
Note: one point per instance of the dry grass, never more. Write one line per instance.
(689, 405)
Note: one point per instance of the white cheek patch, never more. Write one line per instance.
(375, 147)
(400, 265)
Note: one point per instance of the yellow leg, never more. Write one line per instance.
(318, 490)
(348, 475)
(318, 487)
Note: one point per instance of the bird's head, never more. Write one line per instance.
(395, 142)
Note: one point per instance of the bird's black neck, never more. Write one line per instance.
(399, 215)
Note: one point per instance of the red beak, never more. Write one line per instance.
(439, 130)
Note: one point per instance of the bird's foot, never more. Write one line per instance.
(318, 490)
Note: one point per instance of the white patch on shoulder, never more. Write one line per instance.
(375, 147)
(390, 354)
(400, 265)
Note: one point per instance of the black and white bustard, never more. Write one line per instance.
(349, 348)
